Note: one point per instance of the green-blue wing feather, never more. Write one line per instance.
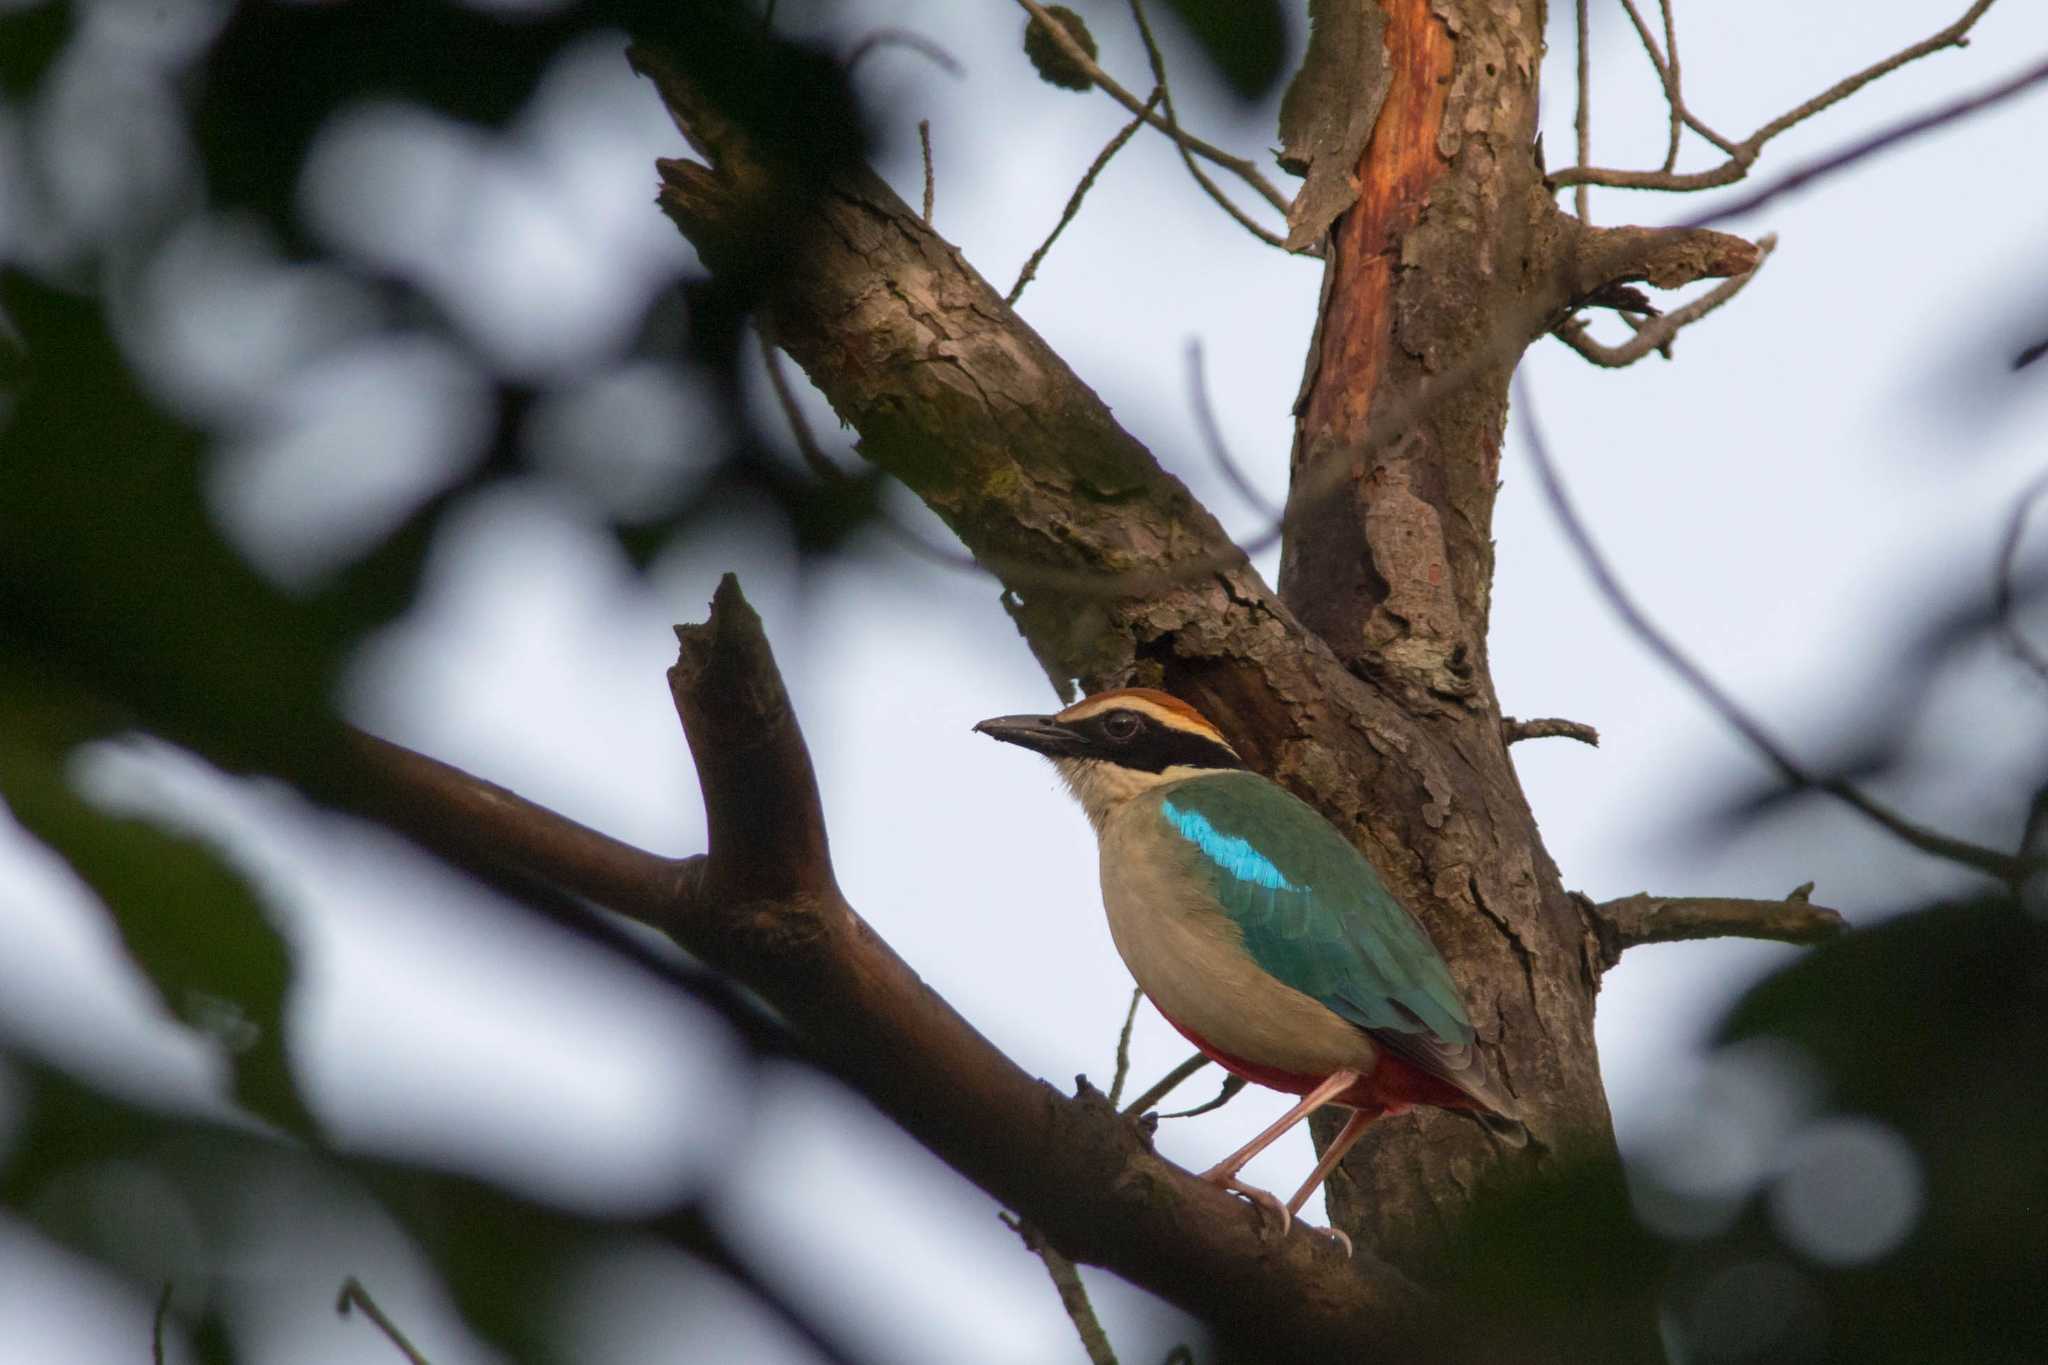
(1316, 915)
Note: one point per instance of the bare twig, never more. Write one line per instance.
(1878, 142)
(1114, 145)
(1550, 727)
(353, 1295)
(1642, 918)
(156, 1325)
(924, 142)
(1657, 333)
(1073, 1294)
(903, 37)
(1214, 191)
(1582, 120)
(1075, 53)
(2001, 865)
(1164, 1086)
(1123, 1048)
(1667, 74)
(1743, 154)
(1212, 433)
(1231, 1085)
(799, 426)
(2002, 603)
(1672, 94)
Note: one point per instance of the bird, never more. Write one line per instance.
(1258, 930)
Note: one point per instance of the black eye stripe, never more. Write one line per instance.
(1132, 739)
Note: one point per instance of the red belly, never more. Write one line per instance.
(1391, 1087)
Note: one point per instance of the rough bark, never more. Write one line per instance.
(1362, 685)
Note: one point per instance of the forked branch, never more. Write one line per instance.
(763, 907)
(1743, 155)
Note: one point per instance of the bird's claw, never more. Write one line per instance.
(1338, 1234)
(1265, 1200)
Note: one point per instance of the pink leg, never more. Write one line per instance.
(1225, 1171)
(1334, 1153)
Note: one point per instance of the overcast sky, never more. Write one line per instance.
(1823, 465)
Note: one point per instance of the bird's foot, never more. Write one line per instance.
(1265, 1200)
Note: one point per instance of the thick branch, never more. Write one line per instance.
(1656, 334)
(763, 907)
(1642, 918)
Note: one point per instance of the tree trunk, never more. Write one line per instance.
(1363, 683)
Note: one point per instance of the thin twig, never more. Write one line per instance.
(1744, 154)
(1212, 433)
(353, 1295)
(1214, 191)
(1549, 727)
(799, 426)
(1667, 75)
(1164, 1086)
(1671, 88)
(1876, 143)
(924, 142)
(1231, 1085)
(1582, 121)
(156, 1325)
(1073, 1294)
(1123, 1048)
(1075, 53)
(2002, 603)
(1657, 333)
(1110, 149)
(2001, 865)
(903, 37)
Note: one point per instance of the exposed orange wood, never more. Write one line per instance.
(1394, 176)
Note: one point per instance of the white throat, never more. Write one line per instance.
(1102, 787)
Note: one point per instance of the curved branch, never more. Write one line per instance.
(1549, 727)
(1642, 918)
(763, 906)
(1656, 334)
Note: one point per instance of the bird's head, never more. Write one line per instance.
(1114, 745)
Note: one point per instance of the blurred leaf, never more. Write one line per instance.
(1559, 1260)
(190, 922)
(1935, 1024)
(122, 588)
(30, 39)
(1245, 39)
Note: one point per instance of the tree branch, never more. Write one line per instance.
(1642, 918)
(1990, 861)
(1066, 1280)
(1743, 154)
(1515, 731)
(763, 906)
(1657, 333)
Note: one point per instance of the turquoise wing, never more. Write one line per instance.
(1316, 915)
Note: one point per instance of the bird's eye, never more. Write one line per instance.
(1121, 726)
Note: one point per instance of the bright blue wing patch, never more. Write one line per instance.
(1314, 913)
(1227, 852)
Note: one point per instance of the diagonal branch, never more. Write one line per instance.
(1642, 918)
(763, 906)
(1744, 154)
(1990, 861)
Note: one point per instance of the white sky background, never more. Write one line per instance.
(1789, 497)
